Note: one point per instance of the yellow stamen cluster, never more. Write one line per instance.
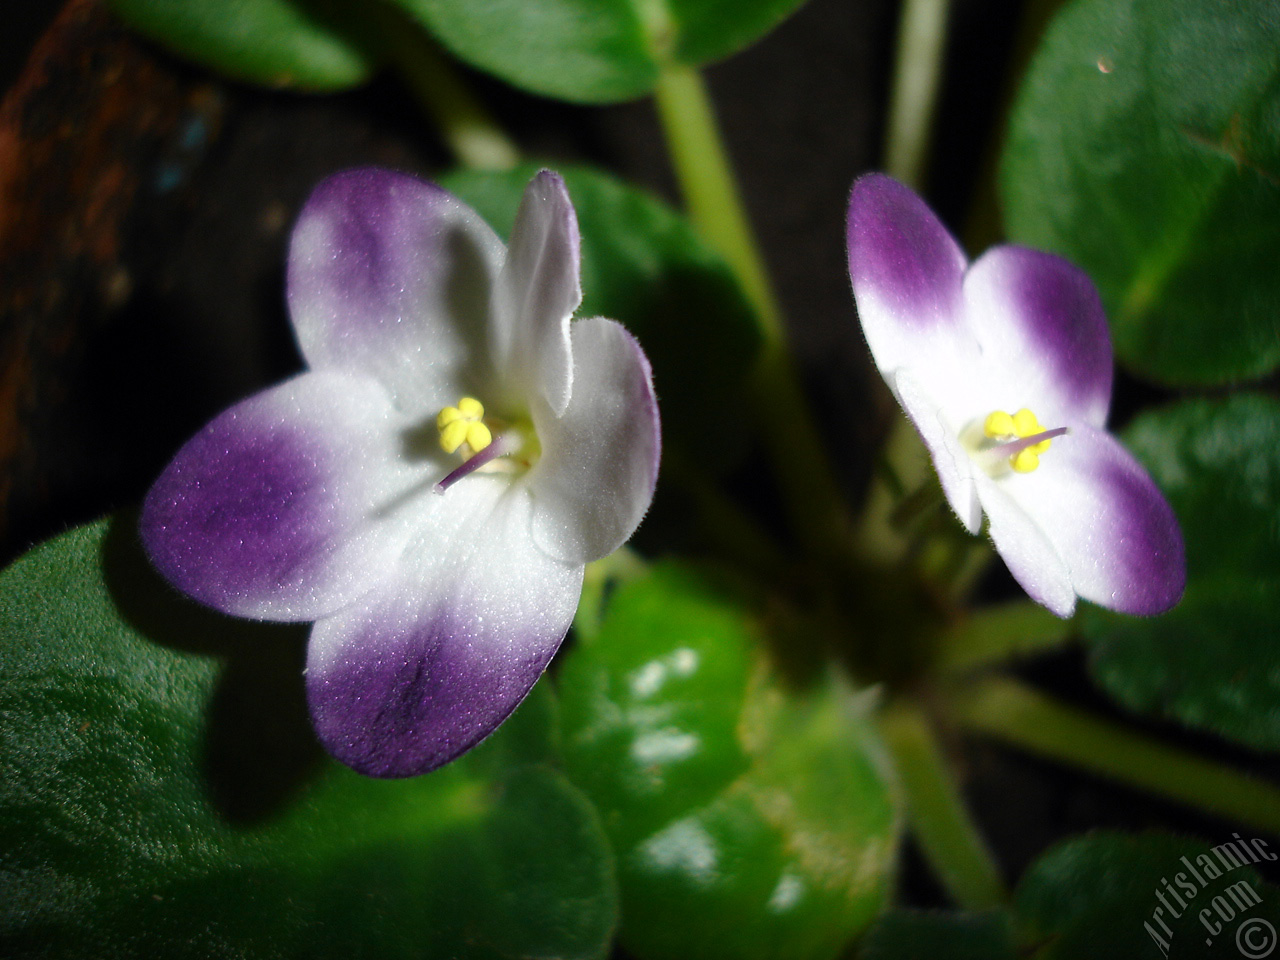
(1003, 427)
(463, 424)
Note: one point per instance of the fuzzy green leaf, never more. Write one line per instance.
(1213, 661)
(161, 794)
(747, 811)
(594, 51)
(1145, 147)
(307, 44)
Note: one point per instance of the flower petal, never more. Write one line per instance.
(404, 681)
(1043, 335)
(599, 460)
(1114, 530)
(270, 510)
(907, 273)
(537, 293)
(1027, 550)
(955, 469)
(392, 277)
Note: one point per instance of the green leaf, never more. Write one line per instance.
(594, 51)
(1145, 146)
(307, 44)
(1108, 895)
(1213, 661)
(747, 812)
(161, 794)
(644, 266)
(914, 934)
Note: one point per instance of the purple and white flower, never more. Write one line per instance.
(430, 489)
(1004, 367)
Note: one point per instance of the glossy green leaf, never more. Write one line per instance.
(594, 51)
(1212, 662)
(919, 934)
(644, 266)
(277, 43)
(1108, 895)
(748, 815)
(161, 795)
(1145, 146)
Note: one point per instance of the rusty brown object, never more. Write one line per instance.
(87, 116)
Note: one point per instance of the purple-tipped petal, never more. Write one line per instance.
(270, 511)
(408, 679)
(393, 277)
(1114, 530)
(907, 273)
(951, 461)
(599, 460)
(1042, 332)
(538, 291)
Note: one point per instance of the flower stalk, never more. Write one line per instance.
(815, 506)
(468, 130)
(1026, 719)
(936, 812)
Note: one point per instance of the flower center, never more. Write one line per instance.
(1020, 438)
(463, 429)
(463, 425)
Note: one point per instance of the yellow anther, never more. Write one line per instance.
(463, 424)
(471, 408)
(1025, 460)
(453, 435)
(1003, 428)
(1025, 423)
(998, 424)
(479, 437)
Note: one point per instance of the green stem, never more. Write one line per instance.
(1025, 718)
(710, 190)
(941, 824)
(814, 504)
(922, 34)
(994, 634)
(472, 135)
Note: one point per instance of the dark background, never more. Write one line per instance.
(145, 207)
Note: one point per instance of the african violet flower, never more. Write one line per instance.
(429, 491)
(1004, 367)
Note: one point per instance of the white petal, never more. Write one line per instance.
(1026, 548)
(423, 669)
(282, 507)
(600, 459)
(1113, 529)
(1043, 335)
(393, 277)
(941, 436)
(538, 291)
(907, 274)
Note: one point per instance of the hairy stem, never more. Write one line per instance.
(471, 134)
(711, 195)
(1025, 718)
(922, 34)
(1002, 632)
(936, 812)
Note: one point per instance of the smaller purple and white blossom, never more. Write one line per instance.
(1004, 367)
(429, 490)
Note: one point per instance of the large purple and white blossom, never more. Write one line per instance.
(1004, 367)
(430, 489)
